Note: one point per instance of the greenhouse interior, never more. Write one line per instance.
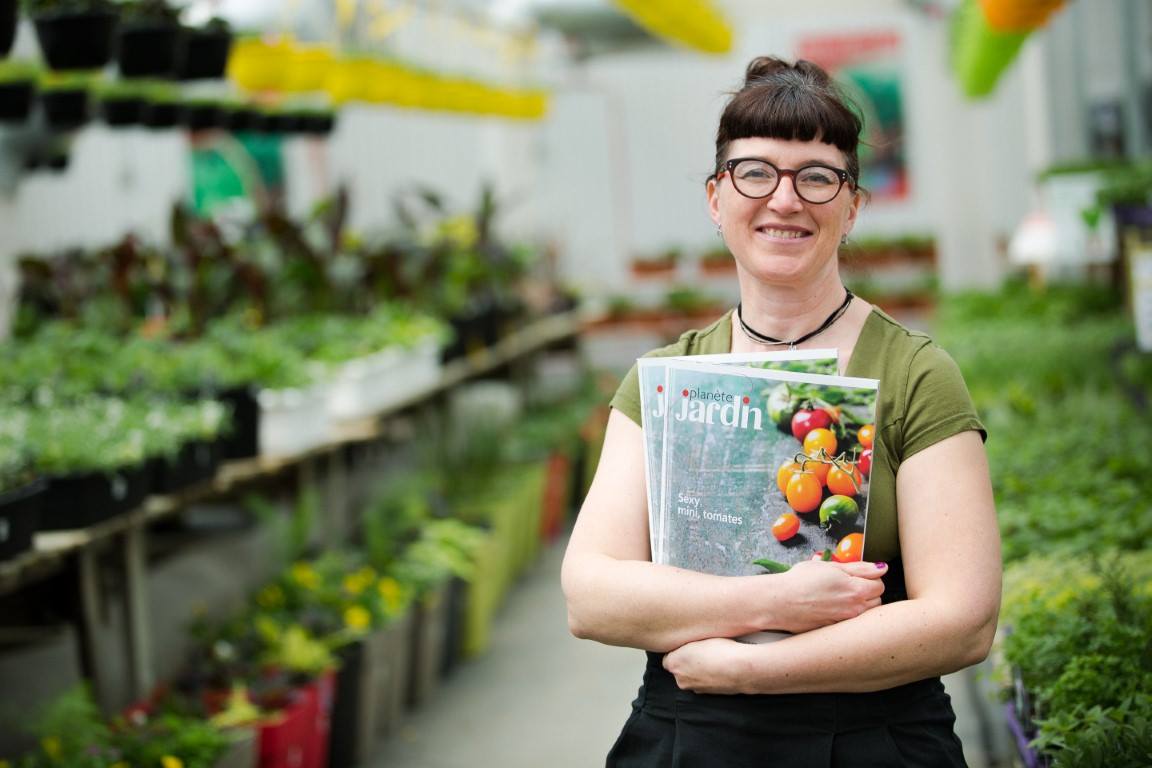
(314, 318)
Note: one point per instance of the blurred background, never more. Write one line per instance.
(310, 311)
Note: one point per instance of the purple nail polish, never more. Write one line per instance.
(881, 565)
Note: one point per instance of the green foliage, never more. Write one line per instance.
(1067, 447)
(18, 70)
(1079, 636)
(72, 732)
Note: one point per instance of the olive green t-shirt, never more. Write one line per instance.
(922, 400)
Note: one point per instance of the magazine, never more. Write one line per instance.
(652, 373)
(762, 469)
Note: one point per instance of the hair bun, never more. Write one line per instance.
(762, 67)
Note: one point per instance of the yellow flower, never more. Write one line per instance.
(169, 761)
(460, 230)
(357, 617)
(391, 593)
(51, 746)
(359, 580)
(305, 575)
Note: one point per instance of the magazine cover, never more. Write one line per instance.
(763, 468)
(653, 380)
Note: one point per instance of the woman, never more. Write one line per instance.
(858, 683)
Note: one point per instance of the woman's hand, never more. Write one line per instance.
(822, 593)
(715, 665)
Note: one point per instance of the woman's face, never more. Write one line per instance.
(781, 238)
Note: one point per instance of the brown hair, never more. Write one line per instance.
(798, 102)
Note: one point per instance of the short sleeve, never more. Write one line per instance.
(937, 403)
(627, 397)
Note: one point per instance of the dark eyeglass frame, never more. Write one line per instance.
(729, 165)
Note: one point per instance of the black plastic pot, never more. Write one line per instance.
(76, 40)
(243, 441)
(202, 54)
(122, 111)
(147, 49)
(66, 108)
(8, 18)
(84, 499)
(240, 119)
(19, 516)
(161, 114)
(16, 100)
(317, 125)
(202, 117)
(196, 462)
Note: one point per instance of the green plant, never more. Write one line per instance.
(1078, 630)
(689, 300)
(19, 71)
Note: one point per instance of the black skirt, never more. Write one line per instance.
(910, 725)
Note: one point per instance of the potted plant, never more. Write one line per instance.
(662, 264)
(18, 82)
(66, 100)
(147, 38)
(94, 460)
(717, 261)
(74, 34)
(202, 52)
(162, 106)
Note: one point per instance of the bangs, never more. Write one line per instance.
(796, 113)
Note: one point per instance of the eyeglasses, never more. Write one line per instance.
(756, 178)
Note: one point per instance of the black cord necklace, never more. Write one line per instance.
(755, 335)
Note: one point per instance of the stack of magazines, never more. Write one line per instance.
(755, 462)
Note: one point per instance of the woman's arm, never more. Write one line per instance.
(617, 596)
(951, 553)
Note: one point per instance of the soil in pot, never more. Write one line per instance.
(243, 440)
(70, 40)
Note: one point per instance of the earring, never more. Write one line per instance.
(719, 230)
(843, 239)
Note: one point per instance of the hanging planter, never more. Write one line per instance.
(147, 49)
(80, 39)
(8, 18)
(202, 52)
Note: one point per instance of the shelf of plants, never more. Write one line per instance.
(312, 376)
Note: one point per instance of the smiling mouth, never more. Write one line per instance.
(784, 234)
